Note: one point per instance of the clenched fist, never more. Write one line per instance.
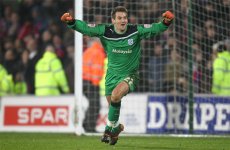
(66, 17)
(168, 17)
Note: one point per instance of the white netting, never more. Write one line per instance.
(176, 66)
(165, 58)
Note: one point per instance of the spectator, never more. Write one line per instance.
(34, 54)
(20, 86)
(171, 43)
(210, 37)
(50, 78)
(68, 38)
(93, 63)
(6, 82)
(102, 82)
(54, 28)
(25, 8)
(181, 84)
(11, 62)
(8, 43)
(173, 71)
(221, 71)
(59, 48)
(19, 46)
(69, 67)
(14, 25)
(198, 34)
(156, 69)
(39, 20)
(28, 28)
(197, 70)
(46, 38)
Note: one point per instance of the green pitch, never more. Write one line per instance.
(53, 141)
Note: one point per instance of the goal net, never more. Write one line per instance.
(174, 94)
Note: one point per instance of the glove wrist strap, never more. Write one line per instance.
(71, 22)
(167, 23)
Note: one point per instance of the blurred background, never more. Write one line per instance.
(178, 62)
(28, 26)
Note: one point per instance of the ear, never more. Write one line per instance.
(113, 21)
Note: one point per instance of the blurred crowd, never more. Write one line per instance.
(27, 27)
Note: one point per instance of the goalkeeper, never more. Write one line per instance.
(121, 42)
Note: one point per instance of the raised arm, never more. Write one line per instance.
(147, 31)
(83, 27)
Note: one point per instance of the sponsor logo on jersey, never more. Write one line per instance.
(130, 41)
(147, 25)
(91, 25)
(129, 51)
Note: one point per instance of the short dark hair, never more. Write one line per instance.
(118, 9)
(221, 47)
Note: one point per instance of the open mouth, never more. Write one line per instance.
(123, 25)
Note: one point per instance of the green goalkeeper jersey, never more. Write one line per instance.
(123, 50)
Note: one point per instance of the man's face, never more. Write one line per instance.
(120, 21)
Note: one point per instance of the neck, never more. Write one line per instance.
(120, 31)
